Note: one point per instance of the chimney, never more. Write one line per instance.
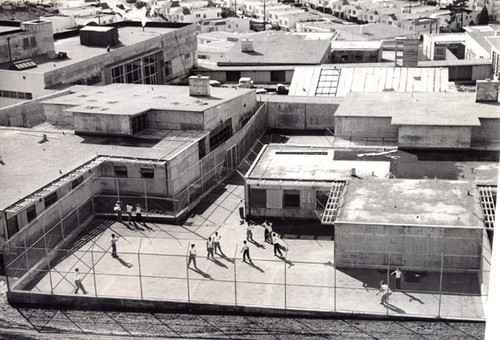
(246, 45)
(199, 86)
(487, 90)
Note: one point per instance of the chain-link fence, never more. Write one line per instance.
(279, 283)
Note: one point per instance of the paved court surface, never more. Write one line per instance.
(152, 265)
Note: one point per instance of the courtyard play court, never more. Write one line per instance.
(152, 265)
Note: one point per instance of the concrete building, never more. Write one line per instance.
(421, 224)
(444, 46)
(495, 55)
(265, 57)
(179, 150)
(294, 181)
(356, 51)
(229, 24)
(339, 80)
(436, 120)
(159, 54)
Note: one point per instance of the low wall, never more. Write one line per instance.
(76, 302)
(301, 113)
(411, 247)
(489, 131)
(365, 127)
(26, 114)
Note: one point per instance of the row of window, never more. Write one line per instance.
(50, 199)
(16, 95)
(138, 71)
(122, 171)
(291, 198)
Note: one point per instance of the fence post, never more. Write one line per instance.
(234, 262)
(440, 284)
(187, 272)
(93, 269)
(284, 279)
(145, 196)
(334, 282)
(139, 265)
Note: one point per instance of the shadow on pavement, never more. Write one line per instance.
(394, 308)
(126, 264)
(201, 272)
(217, 262)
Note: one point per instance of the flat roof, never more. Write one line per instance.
(447, 37)
(410, 202)
(278, 48)
(133, 99)
(494, 42)
(68, 151)
(96, 29)
(448, 109)
(128, 35)
(279, 162)
(307, 80)
(356, 45)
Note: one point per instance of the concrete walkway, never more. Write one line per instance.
(152, 266)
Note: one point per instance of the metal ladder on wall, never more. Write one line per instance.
(332, 205)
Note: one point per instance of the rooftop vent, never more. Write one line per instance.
(101, 36)
(247, 45)
(199, 86)
(487, 90)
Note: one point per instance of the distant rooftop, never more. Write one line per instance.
(127, 35)
(278, 49)
(356, 45)
(376, 31)
(448, 109)
(411, 202)
(133, 99)
(339, 80)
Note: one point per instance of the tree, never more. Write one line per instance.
(483, 18)
(457, 9)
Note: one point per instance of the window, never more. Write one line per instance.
(220, 134)
(201, 149)
(121, 171)
(142, 70)
(31, 213)
(291, 199)
(147, 173)
(168, 69)
(14, 94)
(138, 123)
(278, 76)
(233, 76)
(187, 58)
(50, 199)
(76, 182)
(257, 198)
